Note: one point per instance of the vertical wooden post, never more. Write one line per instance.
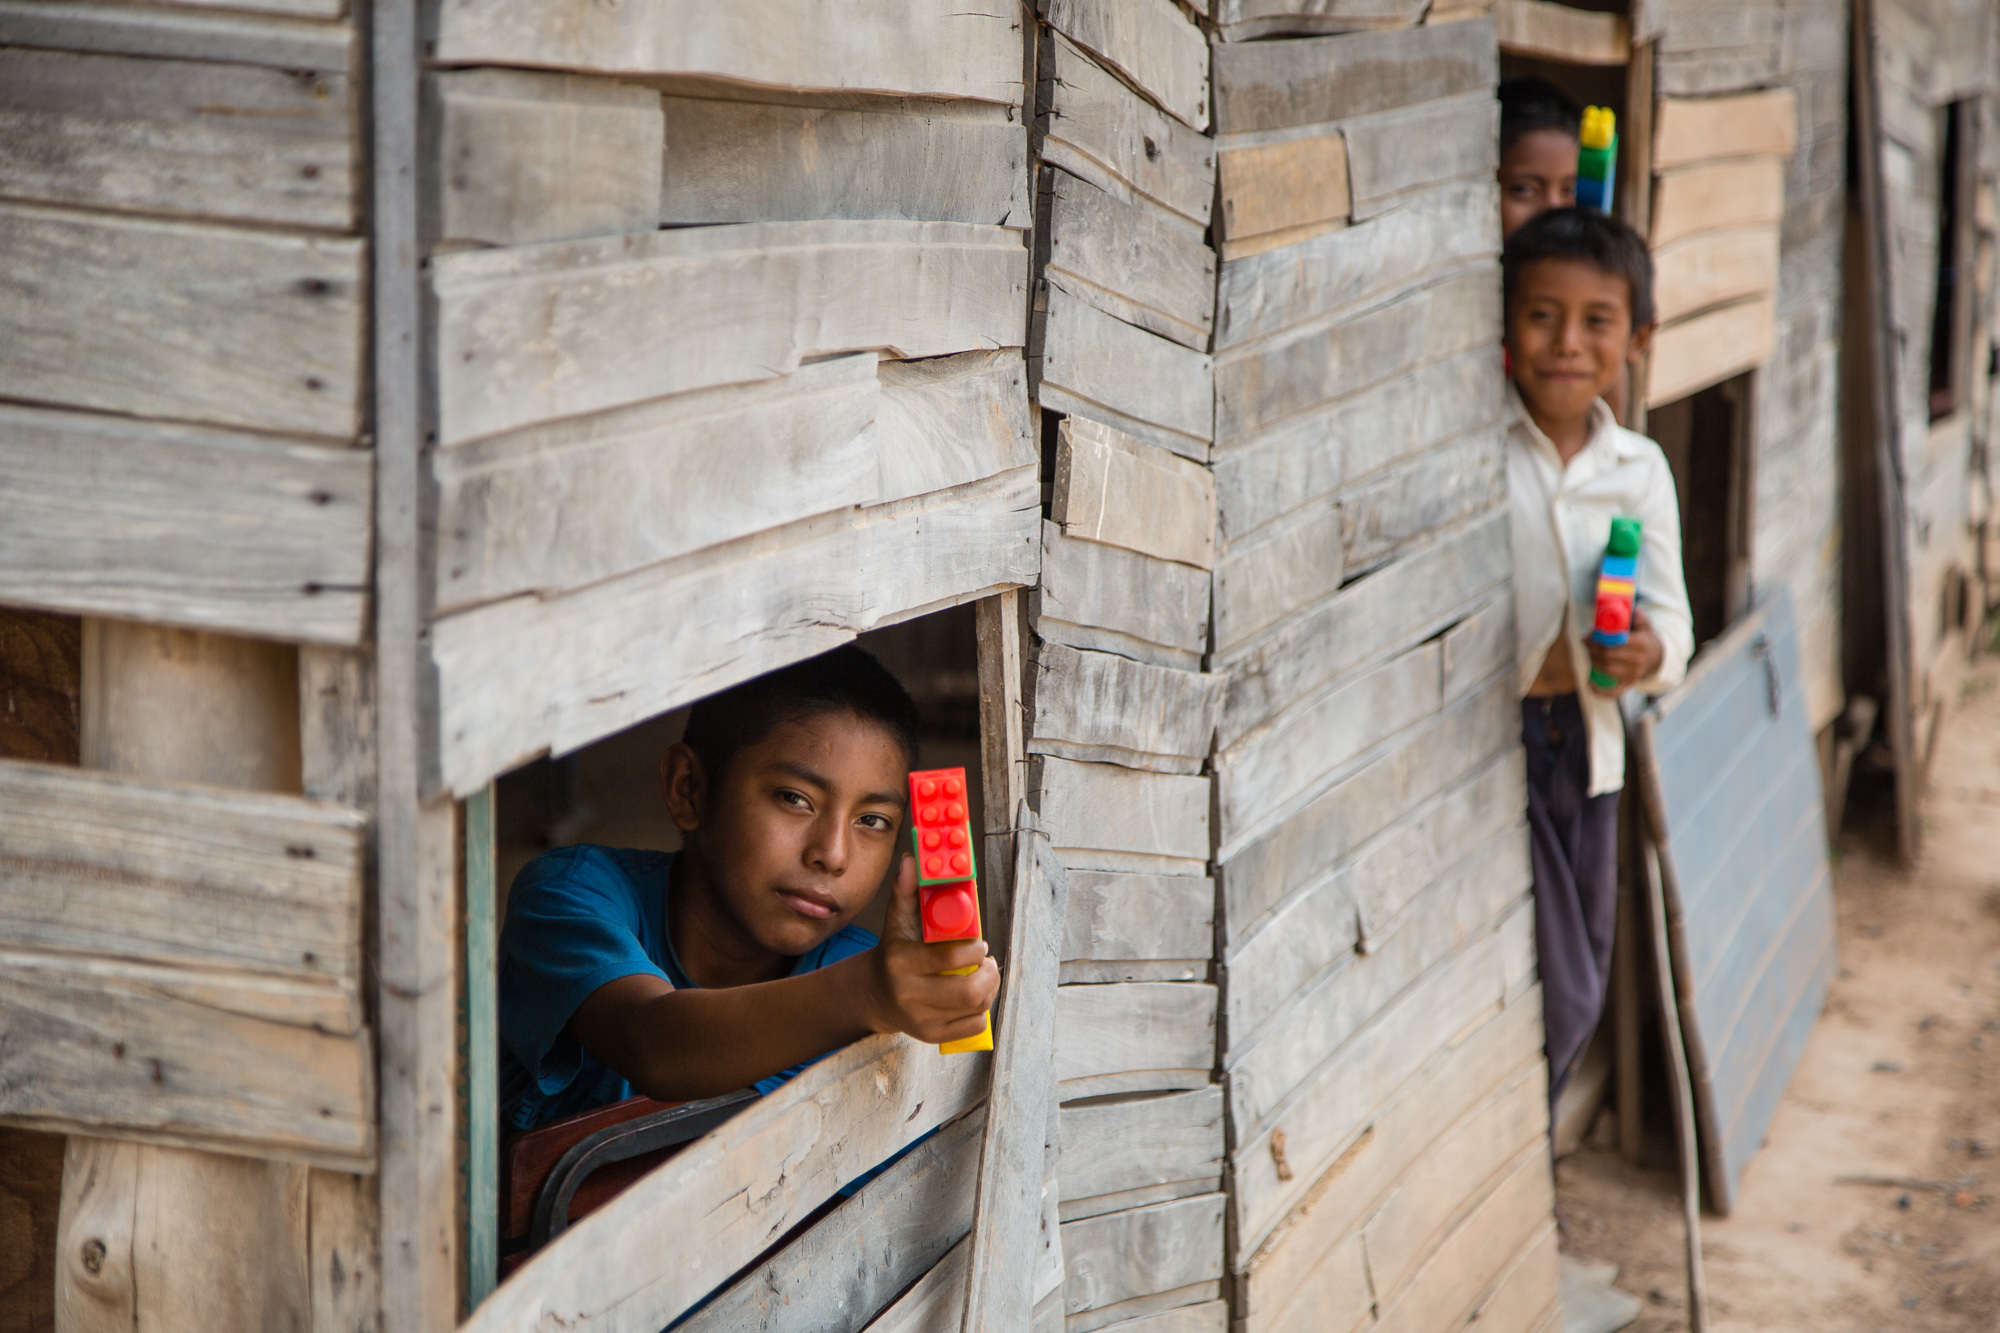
(1002, 752)
(170, 1239)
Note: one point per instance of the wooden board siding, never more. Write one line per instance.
(1714, 268)
(1709, 348)
(1273, 85)
(1132, 261)
(1112, 488)
(184, 526)
(1110, 709)
(1272, 194)
(180, 33)
(1113, 1149)
(1731, 192)
(1688, 130)
(1148, 42)
(1115, 916)
(1140, 1252)
(1098, 596)
(1244, 20)
(1101, 130)
(1727, 762)
(1557, 32)
(934, 48)
(1393, 155)
(1134, 1037)
(1101, 367)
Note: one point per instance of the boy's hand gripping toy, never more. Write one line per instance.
(947, 871)
(1597, 159)
(1617, 585)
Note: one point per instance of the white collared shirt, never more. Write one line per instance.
(1561, 521)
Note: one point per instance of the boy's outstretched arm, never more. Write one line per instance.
(677, 1045)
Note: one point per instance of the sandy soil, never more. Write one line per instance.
(1899, 1088)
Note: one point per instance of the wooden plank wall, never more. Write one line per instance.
(1120, 711)
(1379, 1027)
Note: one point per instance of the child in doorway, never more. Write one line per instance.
(1579, 305)
(678, 975)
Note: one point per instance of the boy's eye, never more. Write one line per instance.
(881, 822)
(797, 800)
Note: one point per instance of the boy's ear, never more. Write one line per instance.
(1642, 342)
(684, 785)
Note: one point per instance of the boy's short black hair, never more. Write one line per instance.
(846, 680)
(1596, 238)
(1529, 102)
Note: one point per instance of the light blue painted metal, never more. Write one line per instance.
(1731, 782)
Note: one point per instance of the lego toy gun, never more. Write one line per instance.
(1597, 159)
(947, 872)
(1617, 586)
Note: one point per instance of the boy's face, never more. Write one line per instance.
(1569, 331)
(802, 829)
(1537, 173)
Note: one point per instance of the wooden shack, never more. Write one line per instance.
(401, 404)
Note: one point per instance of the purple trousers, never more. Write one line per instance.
(1573, 840)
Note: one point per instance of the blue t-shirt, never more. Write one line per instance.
(578, 917)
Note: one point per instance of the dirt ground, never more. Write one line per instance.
(1875, 1204)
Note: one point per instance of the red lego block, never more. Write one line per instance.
(941, 826)
(950, 911)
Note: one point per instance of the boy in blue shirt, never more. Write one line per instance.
(679, 975)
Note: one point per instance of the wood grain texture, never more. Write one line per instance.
(1733, 192)
(238, 142)
(522, 157)
(1429, 492)
(1107, 597)
(1278, 187)
(1127, 1313)
(1129, 1143)
(1099, 129)
(928, 49)
(1110, 709)
(1715, 267)
(730, 161)
(1157, 390)
(1276, 85)
(1133, 261)
(177, 33)
(1205, 1317)
(1285, 565)
(1709, 348)
(1149, 42)
(1142, 1251)
(1557, 32)
(1112, 488)
(1115, 915)
(569, 670)
(1160, 1033)
(1468, 1265)
(852, 1264)
(537, 332)
(200, 876)
(1106, 807)
(1392, 155)
(1244, 20)
(185, 320)
(182, 526)
(737, 1189)
(1699, 129)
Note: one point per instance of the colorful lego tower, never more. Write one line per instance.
(947, 871)
(1617, 585)
(1597, 159)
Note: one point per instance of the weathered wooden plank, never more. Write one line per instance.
(537, 332)
(258, 1065)
(1279, 187)
(949, 421)
(1558, 32)
(1106, 972)
(521, 157)
(1131, 1313)
(182, 526)
(1136, 1028)
(855, 1261)
(731, 161)
(238, 142)
(1407, 772)
(1245, 20)
(935, 1303)
(1262, 384)
(1110, 487)
(1714, 267)
(1130, 260)
(1425, 591)
(1117, 916)
(1141, 1252)
(1157, 390)
(1527, 1296)
(1447, 225)
(1477, 647)
(1110, 709)
(173, 319)
(519, 677)
(1430, 491)
(176, 874)
(1207, 1317)
(1261, 477)
(1469, 1263)
(179, 34)
(1107, 807)
(1391, 155)
(928, 49)
(1335, 1291)
(1097, 596)
(1099, 129)
(1128, 1143)
(1734, 192)
(1289, 563)
(1687, 130)
(1258, 777)
(1148, 42)
(1709, 348)
(1275, 85)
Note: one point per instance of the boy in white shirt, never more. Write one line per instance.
(1579, 305)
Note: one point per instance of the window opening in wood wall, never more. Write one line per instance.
(1705, 437)
(1951, 315)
